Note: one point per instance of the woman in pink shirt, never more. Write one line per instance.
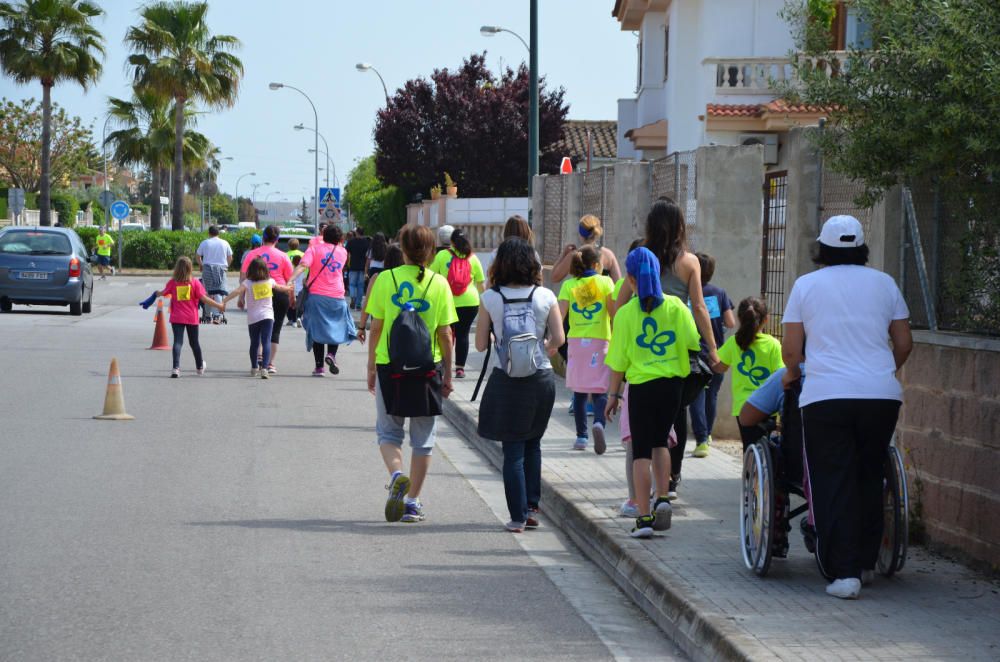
(280, 268)
(185, 293)
(326, 318)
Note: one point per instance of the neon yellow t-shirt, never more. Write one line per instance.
(431, 298)
(470, 297)
(752, 367)
(655, 345)
(618, 289)
(590, 321)
(104, 244)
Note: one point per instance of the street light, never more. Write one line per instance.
(278, 86)
(492, 31)
(303, 127)
(236, 193)
(329, 161)
(363, 67)
(268, 195)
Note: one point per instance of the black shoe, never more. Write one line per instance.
(672, 488)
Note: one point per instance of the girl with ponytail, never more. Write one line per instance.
(754, 354)
(464, 272)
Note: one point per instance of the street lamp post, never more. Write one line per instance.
(493, 30)
(365, 66)
(268, 195)
(236, 193)
(329, 162)
(333, 166)
(278, 86)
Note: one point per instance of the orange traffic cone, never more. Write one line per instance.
(114, 400)
(160, 332)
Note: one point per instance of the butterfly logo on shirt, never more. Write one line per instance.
(587, 312)
(271, 266)
(332, 266)
(757, 374)
(653, 339)
(404, 300)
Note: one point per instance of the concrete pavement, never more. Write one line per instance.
(242, 519)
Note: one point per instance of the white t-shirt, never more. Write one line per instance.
(261, 308)
(541, 303)
(215, 250)
(846, 311)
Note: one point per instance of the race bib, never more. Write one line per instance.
(261, 290)
(183, 292)
(714, 311)
(586, 293)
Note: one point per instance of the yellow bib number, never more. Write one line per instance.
(183, 292)
(586, 293)
(261, 290)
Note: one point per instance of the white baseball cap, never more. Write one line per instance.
(444, 234)
(842, 232)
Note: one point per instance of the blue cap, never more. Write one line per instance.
(256, 240)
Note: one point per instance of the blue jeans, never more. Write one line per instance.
(580, 410)
(703, 410)
(356, 281)
(260, 342)
(522, 476)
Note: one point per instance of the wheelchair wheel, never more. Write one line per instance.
(757, 508)
(895, 514)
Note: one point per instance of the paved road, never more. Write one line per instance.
(242, 519)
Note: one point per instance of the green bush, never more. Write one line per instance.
(67, 207)
(147, 250)
(88, 235)
(98, 213)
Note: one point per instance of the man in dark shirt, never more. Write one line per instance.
(357, 252)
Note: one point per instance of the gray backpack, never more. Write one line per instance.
(519, 349)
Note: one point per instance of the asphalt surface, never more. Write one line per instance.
(238, 518)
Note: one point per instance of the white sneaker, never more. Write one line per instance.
(845, 589)
(867, 577)
(201, 370)
(254, 372)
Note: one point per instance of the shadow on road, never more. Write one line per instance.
(366, 527)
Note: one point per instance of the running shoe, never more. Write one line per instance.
(629, 509)
(459, 373)
(672, 489)
(254, 372)
(531, 521)
(272, 370)
(264, 374)
(662, 514)
(701, 450)
(414, 511)
(319, 372)
(514, 527)
(580, 444)
(848, 588)
(175, 373)
(599, 444)
(201, 370)
(331, 363)
(643, 527)
(394, 506)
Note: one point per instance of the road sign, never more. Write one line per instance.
(15, 200)
(106, 198)
(330, 212)
(329, 197)
(120, 210)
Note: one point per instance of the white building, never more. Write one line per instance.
(705, 70)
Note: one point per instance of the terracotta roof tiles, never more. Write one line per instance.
(604, 136)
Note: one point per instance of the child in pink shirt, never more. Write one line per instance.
(185, 293)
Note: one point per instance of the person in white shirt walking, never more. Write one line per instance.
(214, 257)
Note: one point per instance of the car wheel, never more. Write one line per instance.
(88, 305)
(75, 308)
(6, 306)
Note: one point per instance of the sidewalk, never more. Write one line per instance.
(692, 582)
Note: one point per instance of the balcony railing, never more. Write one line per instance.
(761, 75)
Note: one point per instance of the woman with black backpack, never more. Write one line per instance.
(526, 324)
(409, 366)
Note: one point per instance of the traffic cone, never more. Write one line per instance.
(160, 332)
(114, 400)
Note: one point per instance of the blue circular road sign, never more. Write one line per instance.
(120, 210)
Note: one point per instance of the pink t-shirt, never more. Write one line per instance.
(277, 263)
(184, 298)
(330, 281)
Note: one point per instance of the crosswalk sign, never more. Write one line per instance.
(329, 197)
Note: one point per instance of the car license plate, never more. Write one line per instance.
(33, 275)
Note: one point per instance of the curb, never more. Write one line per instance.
(700, 634)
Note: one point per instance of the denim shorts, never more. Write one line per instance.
(389, 429)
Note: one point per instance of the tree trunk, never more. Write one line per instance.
(155, 210)
(45, 189)
(177, 192)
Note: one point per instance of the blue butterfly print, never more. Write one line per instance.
(588, 312)
(655, 342)
(271, 266)
(403, 299)
(756, 374)
(332, 266)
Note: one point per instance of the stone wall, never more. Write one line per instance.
(950, 432)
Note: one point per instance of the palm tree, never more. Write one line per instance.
(177, 56)
(50, 41)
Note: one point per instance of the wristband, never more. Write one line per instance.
(617, 396)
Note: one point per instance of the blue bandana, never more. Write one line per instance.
(642, 265)
(584, 232)
(589, 272)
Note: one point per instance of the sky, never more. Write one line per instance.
(315, 44)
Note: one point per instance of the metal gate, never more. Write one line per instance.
(772, 258)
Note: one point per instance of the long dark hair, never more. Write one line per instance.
(379, 244)
(393, 257)
(417, 242)
(751, 313)
(583, 259)
(665, 233)
(257, 270)
(461, 243)
(515, 264)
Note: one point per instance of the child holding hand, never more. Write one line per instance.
(258, 290)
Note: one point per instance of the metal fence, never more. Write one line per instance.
(772, 267)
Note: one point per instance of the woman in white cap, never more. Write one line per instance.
(840, 321)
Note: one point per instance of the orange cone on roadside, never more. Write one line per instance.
(114, 399)
(160, 332)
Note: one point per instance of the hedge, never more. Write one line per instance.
(160, 249)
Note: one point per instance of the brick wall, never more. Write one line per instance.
(950, 432)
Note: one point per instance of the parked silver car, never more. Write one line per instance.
(45, 266)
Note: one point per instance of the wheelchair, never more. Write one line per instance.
(773, 473)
